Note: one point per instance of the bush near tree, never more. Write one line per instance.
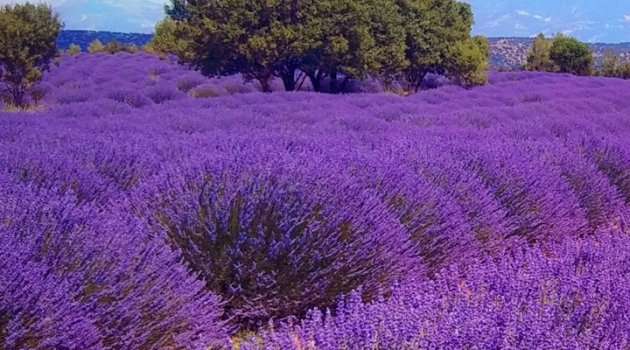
(112, 47)
(623, 70)
(609, 64)
(538, 58)
(468, 61)
(326, 41)
(73, 49)
(571, 56)
(169, 39)
(560, 54)
(613, 68)
(96, 46)
(28, 36)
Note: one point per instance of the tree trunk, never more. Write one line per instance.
(316, 79)
(334, 84)
(18, 96)
(344, 84)
(265, 85)
(288, 79)
(264, 77)
(415, 81)
(300, 81)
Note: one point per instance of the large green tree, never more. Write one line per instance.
(571, 55)
(170, 38)
(623, 70)
(177, 10)
(266, 38)
(432, 29)
(353, 39)
(609, 64)
(327, 40)
(538, 57)
(256, 38)
(28, 36)
(467, 61)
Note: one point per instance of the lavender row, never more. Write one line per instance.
(570, 295)
(174, 225)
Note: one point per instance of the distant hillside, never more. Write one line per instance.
(83, 38)
(511, 53)
(506, 53)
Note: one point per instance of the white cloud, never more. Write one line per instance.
(538, 17)
(541, 18)
(626, 18)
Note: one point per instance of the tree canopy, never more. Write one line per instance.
(571, 56)
(325, 40)
(538, 58)
(560, 54)
(28, 36)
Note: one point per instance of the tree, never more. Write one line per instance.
(623, 70)
(571, 56)
(538, 57)
(177, 11)
(353, 39)
(468, 61)
(432, 29)
(169, 39)
(232, 37)
(609, 64)
(73, 49)
(338, 40)
(96, 46)
(28, 36)
(262, 39)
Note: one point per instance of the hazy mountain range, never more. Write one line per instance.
(506, 53)
(511, 53)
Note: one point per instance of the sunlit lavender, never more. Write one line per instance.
(145, 206)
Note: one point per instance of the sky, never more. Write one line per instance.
(587, 20)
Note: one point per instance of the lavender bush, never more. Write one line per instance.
(137, 214)
(569, 296)
(275, 242)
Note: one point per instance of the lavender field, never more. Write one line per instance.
(144, 206)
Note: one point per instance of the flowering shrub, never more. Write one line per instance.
(73, 278)
(275, 243)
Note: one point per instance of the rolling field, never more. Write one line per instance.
(144, 206)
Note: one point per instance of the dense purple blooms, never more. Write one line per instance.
(82, 277)
(276, 240)
(572, 295)
(146, 206)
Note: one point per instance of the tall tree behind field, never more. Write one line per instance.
(468, 61)
(538, 57)
(177, 10)
(354, 39)
(609, 64)
(170, 39)
(254, 38)
(432, 27)
(28, 36)
(571, 55)
(327, 40)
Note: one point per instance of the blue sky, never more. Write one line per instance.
(588, 20)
